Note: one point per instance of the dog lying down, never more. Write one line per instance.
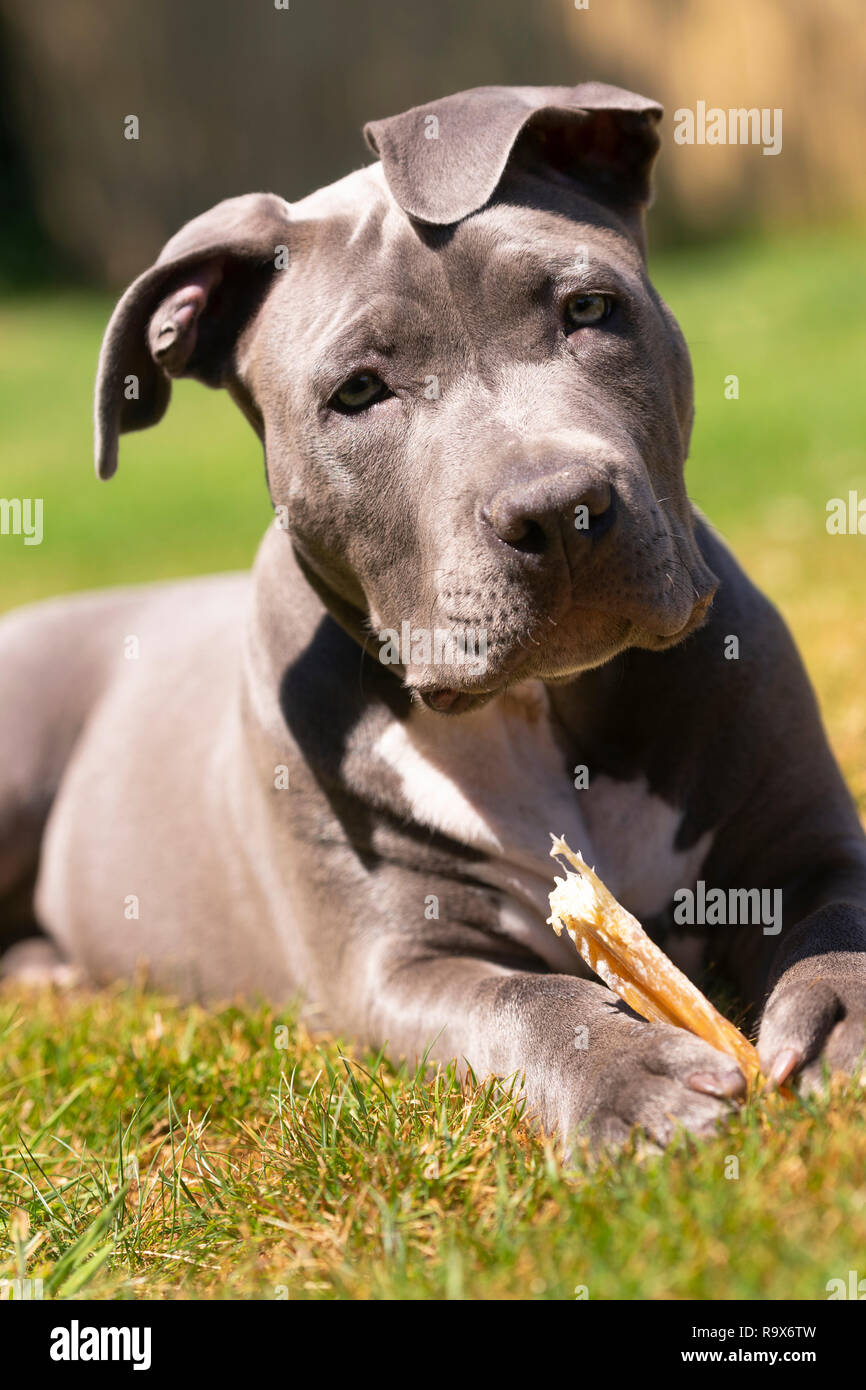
(475, 412)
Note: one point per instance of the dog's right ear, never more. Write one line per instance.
(601, 136)
(184, 315)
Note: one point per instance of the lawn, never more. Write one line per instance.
(152, 1150)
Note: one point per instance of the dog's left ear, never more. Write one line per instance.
(183, 317)
(445, 160)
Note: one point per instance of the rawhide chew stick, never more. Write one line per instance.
(617, 948)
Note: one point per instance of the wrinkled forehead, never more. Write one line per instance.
(355, 256)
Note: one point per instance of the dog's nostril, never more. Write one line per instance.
(593, 512)
(596, 500)
(517, 529)
(526, 535)
(531, 521)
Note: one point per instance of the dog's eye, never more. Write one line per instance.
(583, 310)
(359, 392)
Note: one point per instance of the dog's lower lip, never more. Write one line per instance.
(447, 699)
(443, 700)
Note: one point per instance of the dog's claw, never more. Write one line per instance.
(726, 1086)
(783, 1065)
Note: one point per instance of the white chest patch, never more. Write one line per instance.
(496, 780)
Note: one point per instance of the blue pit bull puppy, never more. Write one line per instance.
(486, 611)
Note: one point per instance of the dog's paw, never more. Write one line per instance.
(658, 1080)
(36, 962)
(814, 1025)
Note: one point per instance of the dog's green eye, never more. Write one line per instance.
(360, 391)
(583, 310)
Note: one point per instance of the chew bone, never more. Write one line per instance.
(617, 948)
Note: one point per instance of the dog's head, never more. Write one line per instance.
(475, 408)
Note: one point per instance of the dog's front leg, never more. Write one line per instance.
(815, 1015)
(587, 1063)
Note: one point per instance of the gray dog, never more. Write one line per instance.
(486, 611)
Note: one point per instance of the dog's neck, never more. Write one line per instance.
(351, 618)
(291, 599)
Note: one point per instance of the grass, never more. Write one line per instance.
(152, 1150)
(155, 1151)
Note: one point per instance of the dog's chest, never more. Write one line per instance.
(498, 780)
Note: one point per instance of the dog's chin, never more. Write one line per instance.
(584, 641)
(558, 658)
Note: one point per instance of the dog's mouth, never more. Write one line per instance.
(560, 639)
(459, 699)
(448, 700)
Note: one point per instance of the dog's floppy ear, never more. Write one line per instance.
(183, 316)
(445, 160)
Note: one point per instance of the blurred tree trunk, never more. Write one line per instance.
(236, 95)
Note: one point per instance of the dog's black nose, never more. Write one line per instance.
(532, 517)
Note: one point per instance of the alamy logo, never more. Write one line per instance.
(847, 516)
(22, 516)
(438, 646)
(739, 907)
(855, 1287)
(736, 126)
(76, 1343)
(21, 1290)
